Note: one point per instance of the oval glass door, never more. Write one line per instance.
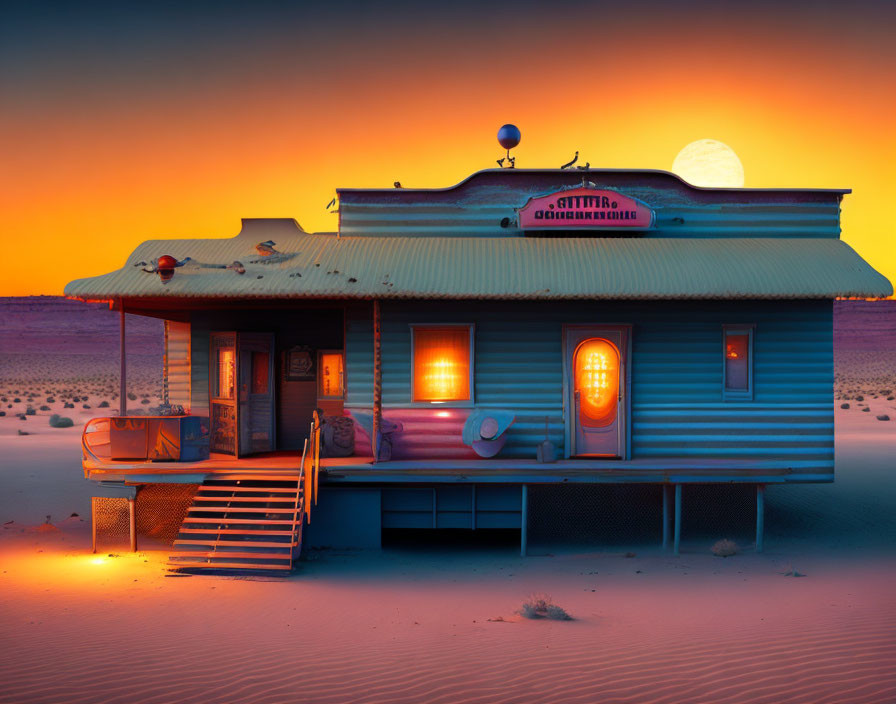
(597, 382)
(597, 367)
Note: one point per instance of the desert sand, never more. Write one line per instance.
(429, 623)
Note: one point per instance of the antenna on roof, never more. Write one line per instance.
(508, 137)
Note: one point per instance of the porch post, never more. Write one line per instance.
(377, 382)
(676, 541)
(667, 498)
(122, 372)
(524, 522)
(760, 515)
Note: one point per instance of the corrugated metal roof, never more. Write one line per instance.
(322, 265)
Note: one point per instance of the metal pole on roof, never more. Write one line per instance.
(377, 382)
(123, 386)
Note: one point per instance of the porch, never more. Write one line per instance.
(362, 470)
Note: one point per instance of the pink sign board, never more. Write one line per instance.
(584, 208)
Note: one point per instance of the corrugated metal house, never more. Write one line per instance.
(523, 327)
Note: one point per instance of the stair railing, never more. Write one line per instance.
(296, 518)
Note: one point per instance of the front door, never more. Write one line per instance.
(241, 392)
(256, 385)
(596, 372)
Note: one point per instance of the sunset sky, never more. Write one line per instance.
(120, 124)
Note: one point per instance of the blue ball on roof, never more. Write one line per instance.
(509, 136)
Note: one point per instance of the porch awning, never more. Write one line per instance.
(307, 265)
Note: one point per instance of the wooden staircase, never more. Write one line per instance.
(249, 522)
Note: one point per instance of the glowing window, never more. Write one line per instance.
(597, 382)
(738, 362)
(329, 375)
(442, 363)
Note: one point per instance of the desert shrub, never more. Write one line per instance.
(23, 432)
(144, 401)
(883, 417)
(30, 411)
(132, 396)
(50, 399)
(724, 548)
(86, 405)
(2, 413)
(17, 400)
(104, 404)
(844, 405)
(68, 405)
(4, 399)
(540, 606)
(866, 409)
(58, 421)
(860, 398)
(45, 408)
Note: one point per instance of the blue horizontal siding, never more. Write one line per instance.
(678, 408)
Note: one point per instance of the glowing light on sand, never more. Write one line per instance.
(708, 162)
(98, 561)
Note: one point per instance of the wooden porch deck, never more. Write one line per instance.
(346, 470)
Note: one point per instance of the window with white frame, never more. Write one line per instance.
(737, 369)
(442, 359)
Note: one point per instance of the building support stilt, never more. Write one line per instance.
(677, 539)
(524, 522)
(132, 521)
(760, 516)
(667, 500)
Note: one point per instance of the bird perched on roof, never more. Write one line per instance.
(237, 267)
(266, 249)
(397, 184)
(574, 160)
(585, 167)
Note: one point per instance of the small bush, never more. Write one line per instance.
(724, 548)
(2, 413)
(50, 399)
(58, 421)
(30, 411)
(86, 405)
(860, 398)
(17, 400)
(144, 401)
(45, 408)
(540, 606)
(23, 432)
(104, 404)
(132, 396)
(844, 405)
(68, 405)
(883, 417)
(866, 409)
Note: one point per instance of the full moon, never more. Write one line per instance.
(708, 162)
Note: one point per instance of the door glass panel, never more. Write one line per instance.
(597, 382)
(260, 366)
(225, 375)
(330, 375)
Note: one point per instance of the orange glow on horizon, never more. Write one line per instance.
(96, 165)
